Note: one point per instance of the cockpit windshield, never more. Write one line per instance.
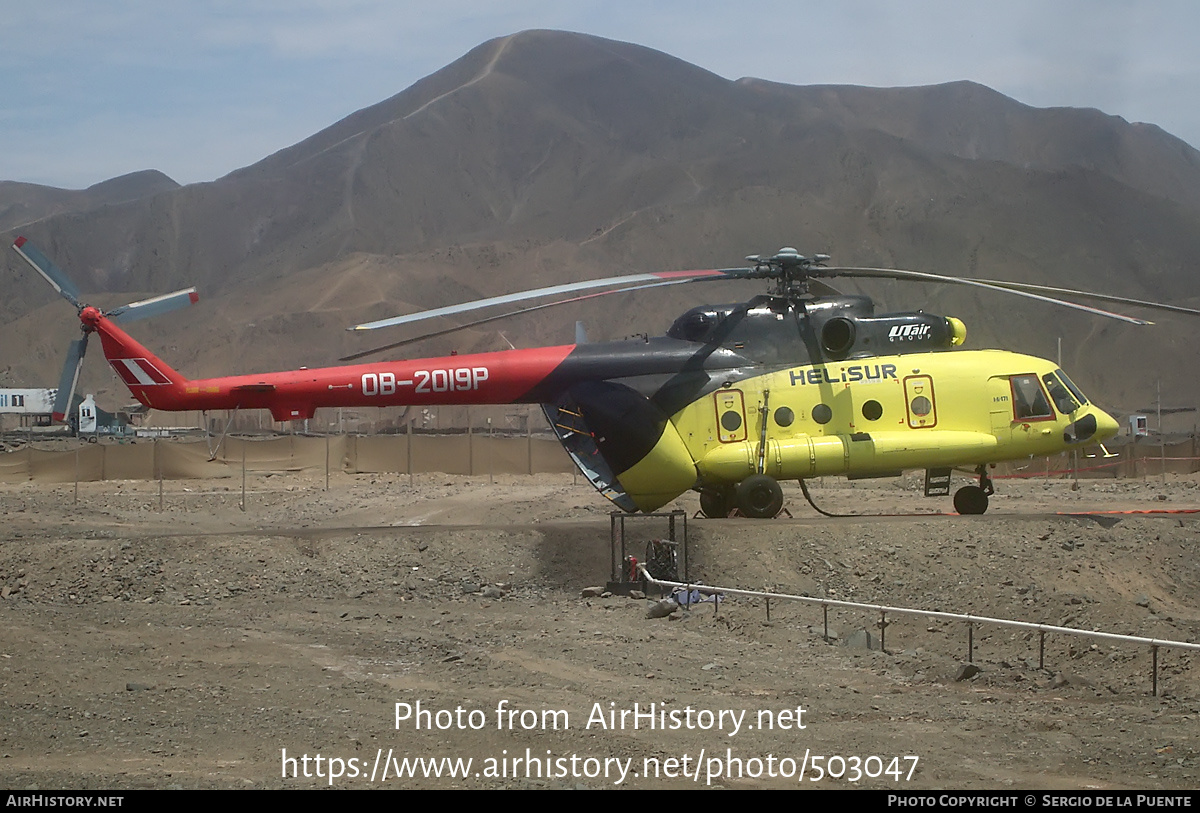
(1064, 401)
(1071, 386)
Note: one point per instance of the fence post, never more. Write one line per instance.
(242, 505)
(159, 472)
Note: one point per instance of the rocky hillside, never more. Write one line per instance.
(546, 156)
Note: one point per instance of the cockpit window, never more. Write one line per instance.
(1071, 386)
(1061, 396)
(1029, 402)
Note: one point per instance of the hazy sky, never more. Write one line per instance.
(93, 90)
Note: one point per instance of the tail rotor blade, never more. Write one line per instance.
(54, 275)
(154, 306)
(69, 379)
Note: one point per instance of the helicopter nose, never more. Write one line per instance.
(1106, 426)
(1094, 427)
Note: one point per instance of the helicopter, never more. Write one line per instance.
(800, 382)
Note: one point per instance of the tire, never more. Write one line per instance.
(970, 500)
(759, 496)
(716, 504)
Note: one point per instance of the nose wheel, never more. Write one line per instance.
(974, 499)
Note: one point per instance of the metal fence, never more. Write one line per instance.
(969, 621)
(470, 453)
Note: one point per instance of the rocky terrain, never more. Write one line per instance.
(176, 640)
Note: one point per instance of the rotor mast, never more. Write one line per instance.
(790, 269)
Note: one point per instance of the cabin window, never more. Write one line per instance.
(922, 412)
(784, 416)
(872, 410)
(1029, 401)
(822, 413)
(731, 421)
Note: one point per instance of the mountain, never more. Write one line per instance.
(22, 204)
(547, 156)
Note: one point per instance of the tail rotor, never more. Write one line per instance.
(66, 288)
(155, 306)
(50, 272)
(70, 378)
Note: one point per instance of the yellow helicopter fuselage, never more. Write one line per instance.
(871, 417)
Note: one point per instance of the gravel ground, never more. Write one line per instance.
(180, 641)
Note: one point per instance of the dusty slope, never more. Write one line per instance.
(190, 647)
(606, 157)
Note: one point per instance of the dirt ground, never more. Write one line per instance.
(180, 641)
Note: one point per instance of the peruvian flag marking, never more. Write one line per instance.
(137, 372)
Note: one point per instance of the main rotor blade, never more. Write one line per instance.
(54, 275)
(901, 274)
(508, 314)
(69, 378)
(818, 288)
(154, 306)
(1116, 300)
(507, 299)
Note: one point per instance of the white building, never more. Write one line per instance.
(31, 406)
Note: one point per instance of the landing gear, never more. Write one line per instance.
(759, 496)
(970, 500)
(717, 502)
(974, 499)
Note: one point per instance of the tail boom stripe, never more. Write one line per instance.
(139, 372)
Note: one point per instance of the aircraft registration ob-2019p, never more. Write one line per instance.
(454, 379)
(796, 383)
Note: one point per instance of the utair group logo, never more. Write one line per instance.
(907, 333)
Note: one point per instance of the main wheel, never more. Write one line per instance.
(717, 504)
(759, 496)
(970, 500)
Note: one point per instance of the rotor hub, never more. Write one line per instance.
(790, 269)
(90, 316)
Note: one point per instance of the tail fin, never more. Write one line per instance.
(144, 373)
